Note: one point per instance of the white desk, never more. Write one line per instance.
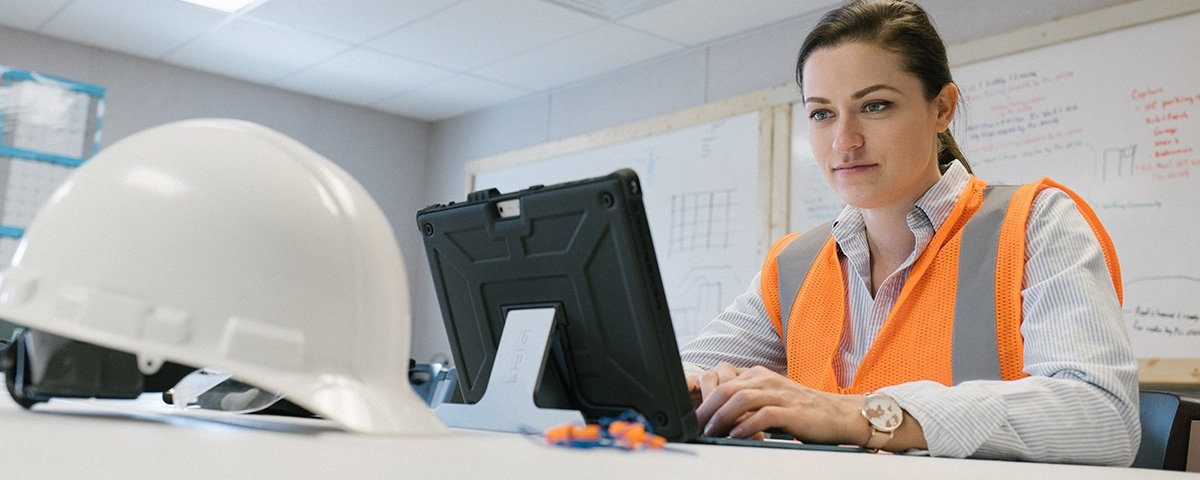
(76, 440)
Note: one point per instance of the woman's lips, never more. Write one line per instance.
(854, 168)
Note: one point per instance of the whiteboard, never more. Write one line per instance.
(1116, 117)
(812, 200)
(702, 203)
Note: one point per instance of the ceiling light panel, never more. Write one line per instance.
(227, 6)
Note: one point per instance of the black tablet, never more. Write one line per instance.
(584, 248)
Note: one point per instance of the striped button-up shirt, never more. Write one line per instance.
(1080, 403)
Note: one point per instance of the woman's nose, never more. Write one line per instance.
(848, 135)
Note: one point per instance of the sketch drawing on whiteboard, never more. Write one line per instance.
(698, 299)
(701, 221)
(1118, 162)
(706, 144)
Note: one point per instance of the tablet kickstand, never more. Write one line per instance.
(507, 405)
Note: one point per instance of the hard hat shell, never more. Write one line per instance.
(224, 244)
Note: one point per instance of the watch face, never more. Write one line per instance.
(883, 412)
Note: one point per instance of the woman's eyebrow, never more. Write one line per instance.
(880, 86)
(857, 95)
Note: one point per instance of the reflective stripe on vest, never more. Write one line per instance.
(793, 264)
(975, 353)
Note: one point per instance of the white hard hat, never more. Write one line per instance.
(224, 244)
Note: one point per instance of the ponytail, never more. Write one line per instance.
(948, 152)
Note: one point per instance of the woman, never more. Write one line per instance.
(934, 313)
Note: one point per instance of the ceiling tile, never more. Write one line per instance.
(354, 21)
(254, 51)
(148, 28)
(959, 21)
(597, 51)
(434, 59)
(475, 33)
(696, 21)
(450, 98)
(363, 77)
(27, 15)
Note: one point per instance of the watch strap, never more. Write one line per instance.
(878, 439)
(879, 436)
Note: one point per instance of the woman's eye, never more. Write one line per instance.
(819, 115)
(876, 107)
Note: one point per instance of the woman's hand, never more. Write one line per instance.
(743, 403)
(693, 386)
(700, 387)
(711, 379)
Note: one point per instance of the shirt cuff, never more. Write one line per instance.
(956, 421)
(691, 369)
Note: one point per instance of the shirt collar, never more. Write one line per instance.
(939, 200)
(936, 203)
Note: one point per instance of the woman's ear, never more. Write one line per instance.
(946, 104)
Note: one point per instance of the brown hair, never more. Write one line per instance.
(902, 27)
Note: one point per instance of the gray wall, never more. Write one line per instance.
(386, 153)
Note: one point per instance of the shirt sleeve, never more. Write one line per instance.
(1080, 402)
(742, 335)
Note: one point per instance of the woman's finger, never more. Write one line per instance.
(729, 412)
(711, 379)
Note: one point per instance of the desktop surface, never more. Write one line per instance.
(76, 439)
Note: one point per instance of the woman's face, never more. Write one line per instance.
(872, 131)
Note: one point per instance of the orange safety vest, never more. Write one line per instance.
(958, 316)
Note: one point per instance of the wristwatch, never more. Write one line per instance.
(884, 416)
